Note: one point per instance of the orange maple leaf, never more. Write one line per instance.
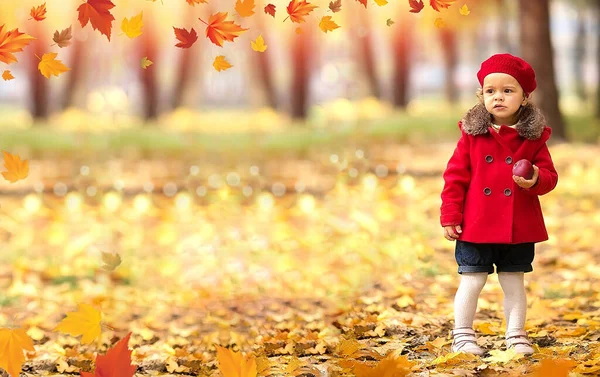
(17, 169)
(38, 13)
(245, 8)
(97, 12)
(270, 9)
(232, 364)
(6, 75)
(12, 345)
(219, 30)
(116, 362)
(298, 9)
(416, 6)
(186, 38)
(194, 2)
(12, 41)
(437, 4)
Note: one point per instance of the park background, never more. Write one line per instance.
(287, 206)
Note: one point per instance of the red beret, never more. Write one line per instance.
(512, 65)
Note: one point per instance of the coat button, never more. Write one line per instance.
(507, 192)
(508, 160)
(489, 158)
(487, 191)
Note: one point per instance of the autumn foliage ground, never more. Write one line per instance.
(322, 283)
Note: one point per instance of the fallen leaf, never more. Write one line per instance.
(85, 321)
(259, 44)
(16, 169)
(63, 39)
(186, 38)
(50, 66)
(219, 30)
(327, 24)
(194, 2)
(389, 22)
(38, 13)
(464, 10)
(221, 64)
(416, 6)
(393, 365)
(97, 12)
(116, 362)
(133, 27)
(12, 344)
(6, 75)
(437, 4)
(112, 261)
(298, 9)
(335, 6)
(270, 9)
(503, 357)
(11, 42)
(363, 2)
(381, 2)
(554, 368)
(245, 8)
(439, 23)
(233, 364)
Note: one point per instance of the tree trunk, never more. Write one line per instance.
(401, 50)
(449, 49)
(265, 69)
(149, 49)
(301, 59)
(598, 63)
(366, 56)
(184, 73)
(38, 84)
(536, 48)
(579, 57)
(76, 63)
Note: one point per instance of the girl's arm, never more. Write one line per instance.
(548, 177)
(457, 177)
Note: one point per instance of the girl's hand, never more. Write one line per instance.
(450, 233)
(528, 183)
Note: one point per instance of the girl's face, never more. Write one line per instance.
(502, 96)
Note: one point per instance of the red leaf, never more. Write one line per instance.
(38, 13)
(97, 12)
(116, 362)
(416, 6)
(186, 38)
(363, 2)
(219, 30)
(437, 4)
(270, 9)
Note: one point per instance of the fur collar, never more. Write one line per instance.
(530, 125)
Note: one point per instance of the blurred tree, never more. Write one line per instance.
(450, 53)
(77, 65)
(38, 84)
(580, 51)
(184, 74)
(265, 69)
(302, 60)
(504, 14)
(148, 46)
(363, 35)
(598, 59)
(536, 48)
(401, 54)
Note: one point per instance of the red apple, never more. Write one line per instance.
(523, 168)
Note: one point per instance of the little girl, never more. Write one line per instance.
(495, 216)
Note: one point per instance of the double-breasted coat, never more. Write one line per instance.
(479, 193)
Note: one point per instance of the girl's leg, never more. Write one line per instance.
(515, 309)
(465, 305)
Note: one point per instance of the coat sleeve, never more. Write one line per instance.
(457, 177)
(548, 177)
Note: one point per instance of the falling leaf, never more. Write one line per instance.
(298, 30)
(259, 44)
(437, 4)
(116, 362)
(381, 2)
(63, 39)
(133, 27)
(12, 344)
(49, 66)
(38, 13)
(439, 23)
(186, 38)
(10, 42)
(194, 2)
(16, 169)
(270, 9)
(219, 30)
(97, 12)
(233, 364)
(113, 260)
(327, 24)
(416, 6)
(389, 22)
(245, 8)
(335, 6)
(6, 75)
(298, 9)
(554, 368)
(85, 321)
(221, 64)
(363, 2)
(464, 10)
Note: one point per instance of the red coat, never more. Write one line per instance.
(479, 193)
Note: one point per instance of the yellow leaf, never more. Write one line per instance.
(17, 169)
(439, 23)
(327, 24)
(146, 62)
(389, 22)
(49, 66)
(554, 368)
(298, 30)
(232, 364)
(6, 75)
(133, 27)
(486, 328)
(111, 260)
(221, 64)
(381, 2)
(464, 10)
(245, 8)
(12, 345)
(503, 357)
(85, 321)
(454, 358)
(259, 44)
